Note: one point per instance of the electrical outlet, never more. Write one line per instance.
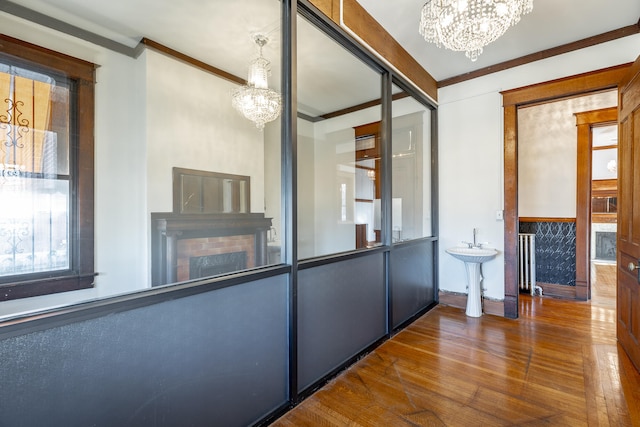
(499, 215)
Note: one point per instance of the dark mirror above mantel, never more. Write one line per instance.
(196, 191)
(211, 230)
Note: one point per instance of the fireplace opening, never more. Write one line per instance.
(214, 265)
(606, 245)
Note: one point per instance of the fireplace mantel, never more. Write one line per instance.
(168, 228)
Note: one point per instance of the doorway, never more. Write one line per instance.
(598, 185)
(572, 86)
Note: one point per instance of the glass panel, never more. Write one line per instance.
(605, 164)
(603, 136)
(226, 214)
(337, 183)
(34, 168)
(411, 168)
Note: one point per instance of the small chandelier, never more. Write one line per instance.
(255, 100)
(469, 25)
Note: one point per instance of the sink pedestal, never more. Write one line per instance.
(474, 282)
(473, 259)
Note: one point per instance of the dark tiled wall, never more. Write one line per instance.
(555, 251)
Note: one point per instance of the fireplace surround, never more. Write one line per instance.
(176, 238)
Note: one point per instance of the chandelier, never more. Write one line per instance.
(255, 100)
(469, 25)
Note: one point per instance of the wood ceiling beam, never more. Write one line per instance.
(357, 20)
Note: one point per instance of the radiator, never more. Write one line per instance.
(527, 263)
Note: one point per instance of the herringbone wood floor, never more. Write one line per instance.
(557, 365)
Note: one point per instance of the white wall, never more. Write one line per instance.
(409, 109)
(471, 159)
(306, 183)
(272, 175)
(190, 124)
(548, 154)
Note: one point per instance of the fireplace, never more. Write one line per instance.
(177, 239)
(214, 265)
(606, 245)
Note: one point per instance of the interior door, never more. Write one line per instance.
(628, 299)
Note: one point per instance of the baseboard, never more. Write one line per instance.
(558, 291)
(458, 300)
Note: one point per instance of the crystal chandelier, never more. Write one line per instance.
(255, 100)
(469, 25)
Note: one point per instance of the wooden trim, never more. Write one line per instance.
(626, 102)
(362, 106)
(604, 185)
(597, 117)
(511, 228)
(584, 122)
(609, 218)
(544, 219)
(544, 54)
(74, 68)
(588, 82)
(558, 291)
(356, 19)
(191, 61)
(330, 8)
(85, 197)
(606, 78)
(372, 129)
(583, 211)
(628, 78)
(604, 147)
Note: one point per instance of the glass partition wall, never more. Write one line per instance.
(214, 182)
(338, 161)
(192, 227)
(411, 168)
(412, 275)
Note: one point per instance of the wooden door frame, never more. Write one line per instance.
(584, 122)
(581, 84)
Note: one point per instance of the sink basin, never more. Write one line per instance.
(477, 255)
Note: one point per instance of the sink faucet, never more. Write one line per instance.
(475, 243)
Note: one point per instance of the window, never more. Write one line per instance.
(46, 171)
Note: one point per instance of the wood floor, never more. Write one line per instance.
(557, 365)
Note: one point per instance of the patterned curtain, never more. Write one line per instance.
(27, 145)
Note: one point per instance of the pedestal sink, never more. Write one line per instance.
(473, 259)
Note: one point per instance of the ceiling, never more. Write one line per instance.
(202, 29)
(551, 23)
